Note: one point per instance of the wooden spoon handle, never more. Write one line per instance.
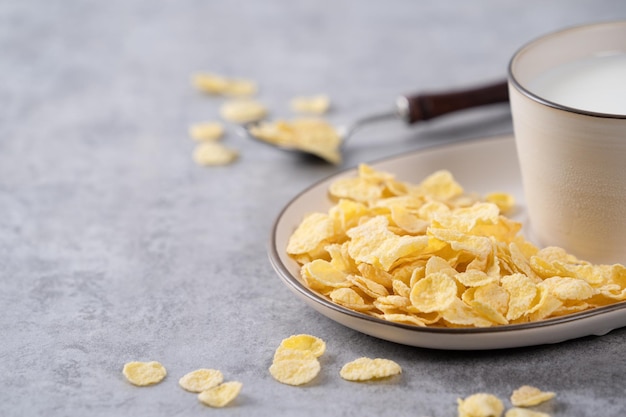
(425, 106)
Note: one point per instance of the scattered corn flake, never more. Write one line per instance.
(220, 395)
(214, 154)
(480, 405)
(305, 342)
(219, 85)
(209, 83)
(527, 396)
(206, 131)
(524, 412)
(201, 380)
(366, 369)
(318, 104)
(295, 371)
(315, 136)
(373, 243)
(144, 373)
(243, 111)
(241, 87)
(295, 360)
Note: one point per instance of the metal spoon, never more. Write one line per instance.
(410, 109)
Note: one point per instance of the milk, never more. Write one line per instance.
(596, 84)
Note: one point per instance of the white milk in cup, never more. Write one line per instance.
(568, 98)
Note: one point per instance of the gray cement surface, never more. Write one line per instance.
(115, 246)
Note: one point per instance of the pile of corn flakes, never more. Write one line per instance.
(430, 254)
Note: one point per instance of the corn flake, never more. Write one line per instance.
(318, 104)
(436, 292)
(351, 299)
(211, 153)
(144, 373)
(528, 396)
(206, 131)
(432, 254)
(221, 395)
(480, 405)
(315, 229)
(295, 371)
(295, 360)
(284, 353)
(324, 276)
(365, 369)
(219, 85)
(243, 111)
(201, 380)
(504, 201)
(305, 342)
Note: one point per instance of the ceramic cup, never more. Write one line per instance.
(568, 99)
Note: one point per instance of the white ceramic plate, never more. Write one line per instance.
(480, 166)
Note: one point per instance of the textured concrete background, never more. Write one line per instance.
(115, 246)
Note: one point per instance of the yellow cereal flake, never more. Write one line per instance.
(305, 342)
(324, 276)
(441, 185)
(241, 87)
(295, 371)
(206, 131)
(504, 201)
(318, 104)
(214, 154)
(201, 380)
(315, 136)
(349, 298)
(568, 288)
(480, 405)
(296, 359)
(144, 373)
(524, 412)
(315, 230)
(460, 314)
(243, 111)
(528, 396)
(366, 369)
(210, 83)
(432, 254)
(219, 85)
(284, 353)
(522, 292)
(220, 395)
